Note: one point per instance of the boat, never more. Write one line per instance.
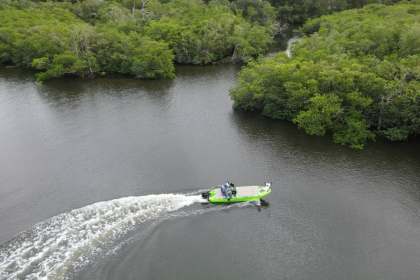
(238, 194)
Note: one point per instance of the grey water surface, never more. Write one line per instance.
(101, 179)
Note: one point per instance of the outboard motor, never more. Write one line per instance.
(205, 194)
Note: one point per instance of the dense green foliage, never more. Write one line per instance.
(299, 11)
(357, 75)
(204, 33)
(142, 38)
(50, 38)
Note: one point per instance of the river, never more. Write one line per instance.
(101, 179)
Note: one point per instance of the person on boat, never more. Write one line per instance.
(224, 189)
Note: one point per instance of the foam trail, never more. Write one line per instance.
(50, 248)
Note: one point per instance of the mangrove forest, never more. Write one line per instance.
(357, 75)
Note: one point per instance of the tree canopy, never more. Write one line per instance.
(299, 11)
(142, 38)
(357, 75)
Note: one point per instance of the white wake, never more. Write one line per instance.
(50, 248)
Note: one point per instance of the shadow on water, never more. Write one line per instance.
(263, 205)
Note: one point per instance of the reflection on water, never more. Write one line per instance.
(63, 90)
(262, 131)
(18, 74)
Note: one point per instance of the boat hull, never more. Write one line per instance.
(245, 193)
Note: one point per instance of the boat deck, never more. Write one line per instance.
(240, 192)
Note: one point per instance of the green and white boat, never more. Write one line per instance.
(237, 194)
